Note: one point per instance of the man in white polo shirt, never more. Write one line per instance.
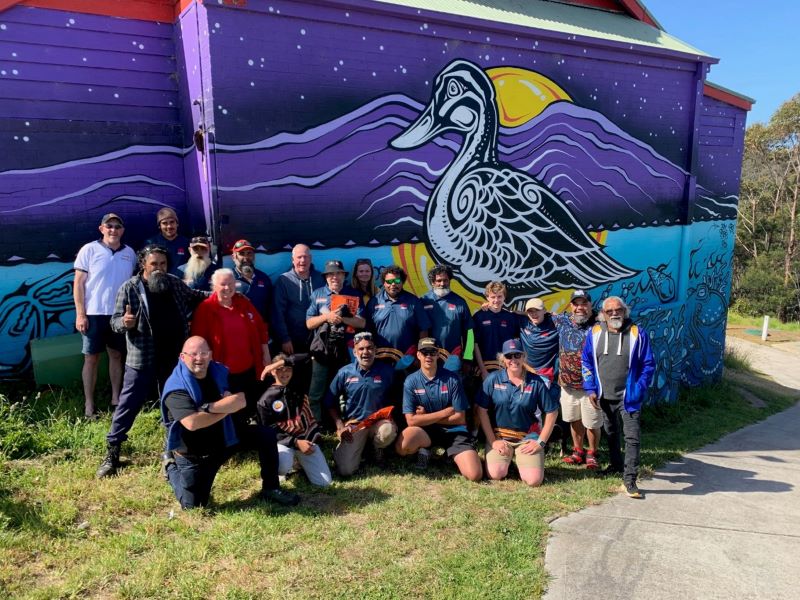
(101, 267)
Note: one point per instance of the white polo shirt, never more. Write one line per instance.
(107, 270)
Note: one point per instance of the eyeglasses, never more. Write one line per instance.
(361, 336)
(613, 311)
(196, 354)
(113, 226)
(514, 355)
(429, 352)
(395, 281)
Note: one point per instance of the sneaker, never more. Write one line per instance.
(281, 496)
(110, 464)
(166, 459)
(633, 491)
(591, 461)
(423, 457)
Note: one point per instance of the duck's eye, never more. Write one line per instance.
(453, 89)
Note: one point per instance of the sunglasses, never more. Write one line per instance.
(395, 281)
(113, 226)
(361, 336)
(516, 355)
(614, 311)
(429, 352)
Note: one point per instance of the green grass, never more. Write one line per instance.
(735, 318)
(737, 360)
(381, 535)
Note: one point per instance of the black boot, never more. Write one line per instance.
(110, 464)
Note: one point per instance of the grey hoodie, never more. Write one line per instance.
(292, 297)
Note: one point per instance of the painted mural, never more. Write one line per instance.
(533, 161)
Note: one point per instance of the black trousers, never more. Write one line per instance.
(613, 413)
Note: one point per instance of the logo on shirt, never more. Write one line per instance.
(503, 324)
(321, 300)
(278, 406)
(419, 391)
(428, 307)
(443, 389)
(404, 306)
(486, 322)
(353, 380)
(260, 284)
(377, 379)
(380, 306)
(500, 386)
(180, 252)
(451, 307)
(529, 388)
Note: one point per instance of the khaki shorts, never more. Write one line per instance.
(533, 461)
(575, 406)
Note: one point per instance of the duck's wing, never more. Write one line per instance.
(512, 227)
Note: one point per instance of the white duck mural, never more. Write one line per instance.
(489, 220)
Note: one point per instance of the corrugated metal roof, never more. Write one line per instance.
(564, 18)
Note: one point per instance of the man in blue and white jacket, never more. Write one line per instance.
(617, 367)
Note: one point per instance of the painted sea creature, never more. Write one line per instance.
(489, 220)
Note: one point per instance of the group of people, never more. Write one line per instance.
(366, 359)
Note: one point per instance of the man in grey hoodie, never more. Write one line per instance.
(292, 297)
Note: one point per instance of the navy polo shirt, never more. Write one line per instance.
(258, 291)
(433, 394)
(321, 298)
(364, 390)
(539, 341)
(177, 250)
(515, 406)
(491, 330)
(450, 320)
(396, 323)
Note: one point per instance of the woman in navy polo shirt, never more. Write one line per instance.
(507, 407)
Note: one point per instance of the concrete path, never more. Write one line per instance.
(723, 522)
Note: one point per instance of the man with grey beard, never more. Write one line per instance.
(152, 309)
(617, 366)
(251, 282)
(199, 268)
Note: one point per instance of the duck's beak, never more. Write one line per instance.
(420, 131)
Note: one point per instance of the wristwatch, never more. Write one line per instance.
(542, 443)
(206, 408)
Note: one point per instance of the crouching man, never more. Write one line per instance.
(196, 407)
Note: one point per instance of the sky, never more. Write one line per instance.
(758, 44)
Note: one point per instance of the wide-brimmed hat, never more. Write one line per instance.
(333, 266)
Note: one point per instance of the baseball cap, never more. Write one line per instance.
(200, 240)
(580, 294)
(242, 245)
(333, 266)
(427, 343)
(513, 346)
(534, 304)
(108, 217)
(166, 213)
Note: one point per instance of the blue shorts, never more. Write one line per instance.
(100, 335)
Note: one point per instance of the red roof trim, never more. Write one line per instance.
(638, 10)
(162, 11)
(726, 96)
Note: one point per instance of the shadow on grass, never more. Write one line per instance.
(25, 516)
(321, 501)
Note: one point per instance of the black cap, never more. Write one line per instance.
(333, 266)
(580, 294)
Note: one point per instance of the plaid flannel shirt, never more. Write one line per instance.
(140, 344)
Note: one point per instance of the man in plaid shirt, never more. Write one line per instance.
(152, 309)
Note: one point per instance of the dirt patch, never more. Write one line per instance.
(752, 334)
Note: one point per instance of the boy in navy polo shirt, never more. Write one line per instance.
(435, 408)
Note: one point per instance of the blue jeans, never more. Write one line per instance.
(191, 476)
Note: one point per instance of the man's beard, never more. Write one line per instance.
(246, 268)
(157, 282)
(441, 292)
(195, 267)
(579, 319)
(616, 322)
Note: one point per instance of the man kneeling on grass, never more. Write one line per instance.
(196, 406)
(434, 405)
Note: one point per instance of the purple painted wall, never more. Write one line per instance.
(621, 179)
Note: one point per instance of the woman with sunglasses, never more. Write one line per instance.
(363, 279)
(507, 406)
(287, 411)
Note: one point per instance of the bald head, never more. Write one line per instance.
(196, 355)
